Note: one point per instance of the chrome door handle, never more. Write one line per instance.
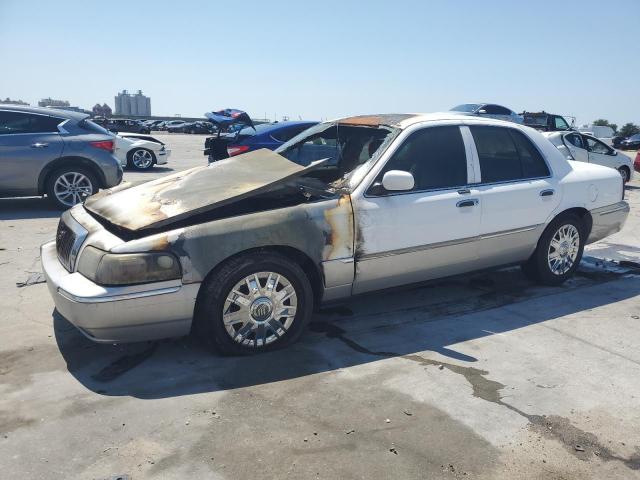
(464, 191)
(467, 203)
(39, 145)
(547, 193)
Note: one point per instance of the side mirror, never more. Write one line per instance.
(397, 181)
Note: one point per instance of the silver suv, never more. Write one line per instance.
(58, 153)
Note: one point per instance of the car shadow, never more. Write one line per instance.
(155, 169)
(27, 208)
(433, 317)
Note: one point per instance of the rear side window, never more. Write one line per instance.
(18, 122)
(575, 140)
(497, 110)
(434, 156)
(94, 127)
(506, 154)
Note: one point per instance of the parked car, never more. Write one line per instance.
(244, 249)
(192, 127)
(140, 152)
(636, 163)
(488, 110)
(631, 143)
(153, 124)
(247, 139)
(118, 125)
(60, 154)
(545, 122)
(172, 125)
(616, 141)
(586, 148)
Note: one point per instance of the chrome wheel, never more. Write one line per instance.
(142, 159)
(259, 309)
(563, 249)
(71, 188)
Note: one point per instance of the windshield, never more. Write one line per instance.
(347, 147)
(466, 107)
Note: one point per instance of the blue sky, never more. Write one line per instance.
(327, 59)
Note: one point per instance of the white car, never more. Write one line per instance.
(488, 110)
(243, 250)
(586, 148)
(601, 132)
(140, 151)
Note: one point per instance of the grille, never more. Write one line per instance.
(65, 240)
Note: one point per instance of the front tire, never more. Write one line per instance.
(254, 303)
(559, 251)
(70, 185)
(141, 159)
(625, 174)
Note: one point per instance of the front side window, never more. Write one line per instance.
(435, 157)
(560, 123)
(19, 122)
(506, 155)
(596, 146)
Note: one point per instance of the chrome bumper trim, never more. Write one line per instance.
(116, 298)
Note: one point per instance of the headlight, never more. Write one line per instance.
(127, 268)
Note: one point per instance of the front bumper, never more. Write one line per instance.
(608, 220)
(119, 314)
(162, 156)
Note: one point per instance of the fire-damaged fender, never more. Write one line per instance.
(323, 231)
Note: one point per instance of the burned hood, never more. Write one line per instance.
(178, 196)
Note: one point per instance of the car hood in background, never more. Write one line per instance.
(175, 197)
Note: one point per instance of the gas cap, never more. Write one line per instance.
(593, 192)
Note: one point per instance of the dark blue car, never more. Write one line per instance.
(266, 135)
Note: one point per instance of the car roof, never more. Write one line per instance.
(405, 120)
(45, 111)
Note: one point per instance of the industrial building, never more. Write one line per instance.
(135, 104)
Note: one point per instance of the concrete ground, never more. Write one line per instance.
(485, 376)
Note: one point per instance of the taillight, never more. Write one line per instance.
(104, 145)
(231, 151)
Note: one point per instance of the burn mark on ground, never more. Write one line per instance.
(9, 422)
(124, 364)
(581, 444)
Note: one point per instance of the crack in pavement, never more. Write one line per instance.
(579, 443)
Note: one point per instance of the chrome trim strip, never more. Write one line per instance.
(509, 232)
(448, 243)
(117, 298)
(609, 209)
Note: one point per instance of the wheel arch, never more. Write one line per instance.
(310, 268)
(64, 162)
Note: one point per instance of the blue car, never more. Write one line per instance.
(266, 135)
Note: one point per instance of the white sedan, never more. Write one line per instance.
(140, 151)
(245, 249)
(586, 148)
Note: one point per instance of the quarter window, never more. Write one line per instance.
(434, 156)
(506, 154)
(18, 122)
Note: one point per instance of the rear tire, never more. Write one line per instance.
(254, 303)
(69, 186)
(141, 159)
(559, 251)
